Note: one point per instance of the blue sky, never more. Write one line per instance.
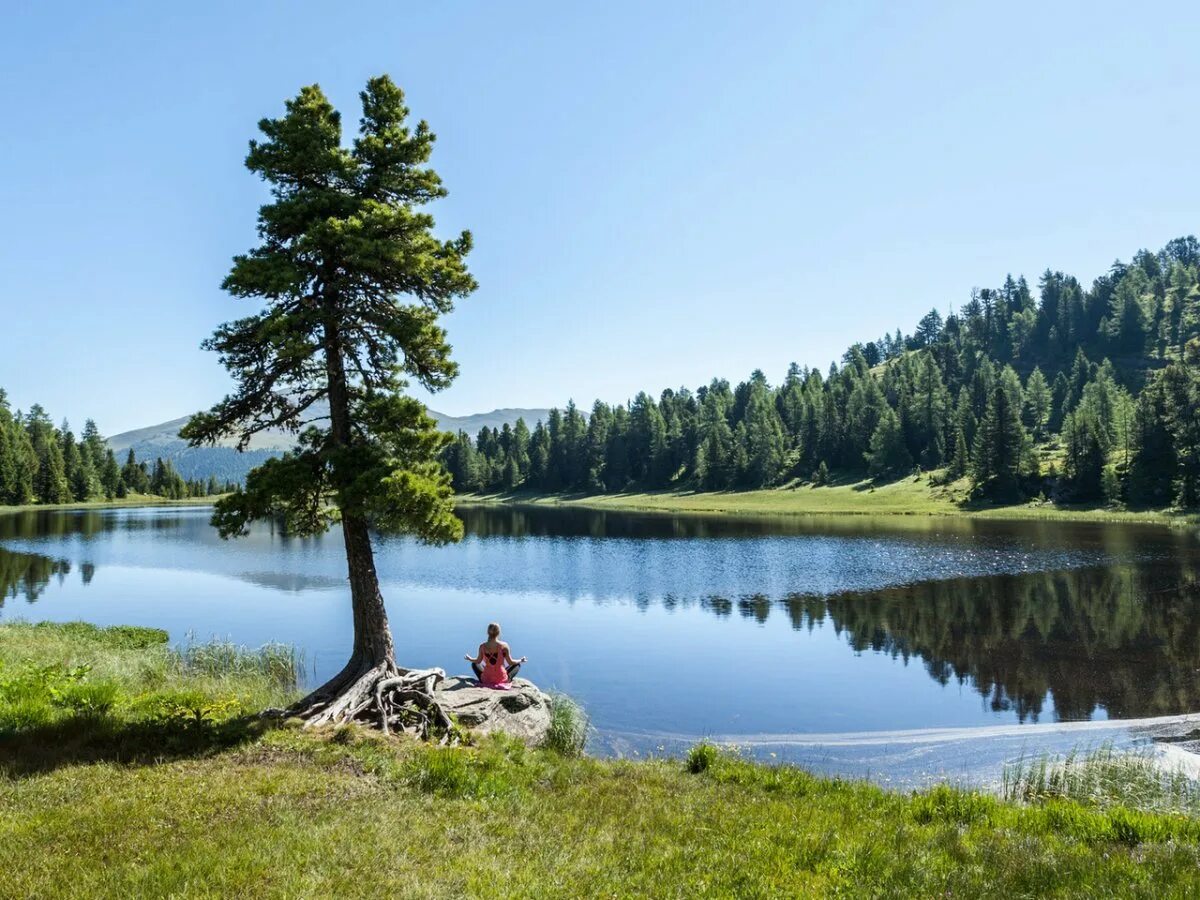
(659, 193)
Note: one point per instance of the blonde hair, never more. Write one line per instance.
(493, 630)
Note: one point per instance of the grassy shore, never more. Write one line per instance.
(131, 500)
(919, 496)
(130, 769)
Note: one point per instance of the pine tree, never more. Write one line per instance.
(928, 413)
(1085, 456)
(648, 442)
(539, 458)
(354, 283)
(765, 442)
(50, 477)
(596, 446)
(574, 466)
(1038, 401)
(714, 456)
(8, 454)
(109, 474)
(863, 411)
(1153, 468)
(888, 453)
(1001, 447)
(1182, 388)
(617, 472)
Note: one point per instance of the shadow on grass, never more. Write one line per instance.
(95, 739)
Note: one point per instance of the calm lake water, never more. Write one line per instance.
(766, 631)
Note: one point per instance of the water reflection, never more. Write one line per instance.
(1062, 621)
(88, 523)
(27, 575)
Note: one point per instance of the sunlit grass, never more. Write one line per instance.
(133, 500)
(74, 690)
(283, 812)
(569, 726)
(1104, 778)
(922, 495)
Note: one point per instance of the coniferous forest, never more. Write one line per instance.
(1078, 394)
(40, 463)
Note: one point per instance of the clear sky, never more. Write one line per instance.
(659, 192)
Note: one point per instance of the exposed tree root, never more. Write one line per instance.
(385, 696)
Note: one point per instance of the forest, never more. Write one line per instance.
(41, 463)
(1076, 394)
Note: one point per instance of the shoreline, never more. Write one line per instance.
(904, 499)
(125, 503)
(110, 718)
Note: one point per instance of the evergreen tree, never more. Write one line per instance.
(888, 453)
(617, 472)
(929, 413)
(765, 442)
(1000, 450)
(540, 474)
(1182, 388)
(599, 427)
(647, 442)
(573, 439)
(1085, 456)
(50, 477)
(863, 411)
(1153, 468)
(714, 456)
(1038, 403)
(354, 283)
(8, 454)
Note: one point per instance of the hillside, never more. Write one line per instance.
(1079, 395)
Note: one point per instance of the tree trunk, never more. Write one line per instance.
(370, 687)
(372, 636)
(354, 690)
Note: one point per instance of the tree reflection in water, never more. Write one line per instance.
(1123, 639)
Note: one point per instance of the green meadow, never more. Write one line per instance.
(128, 768)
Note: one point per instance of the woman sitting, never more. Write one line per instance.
(494, 666)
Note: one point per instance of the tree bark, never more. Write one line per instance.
(372, 636)
(357, 691)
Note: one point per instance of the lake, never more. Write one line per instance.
(895, 646)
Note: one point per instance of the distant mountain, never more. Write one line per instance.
(227, 464)
(497, 418)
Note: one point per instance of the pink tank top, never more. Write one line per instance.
(494, 671)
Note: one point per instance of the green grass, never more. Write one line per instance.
(75, 692)
(347, 812)
(1104, 778)
(131, 500)
(568, 726)
(909, 496)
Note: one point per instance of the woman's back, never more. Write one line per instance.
(494, 664)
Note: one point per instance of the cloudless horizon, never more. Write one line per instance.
(658, 195)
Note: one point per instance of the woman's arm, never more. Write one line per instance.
(475, 659)
(508, 656)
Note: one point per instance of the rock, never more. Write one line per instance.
(522, 711)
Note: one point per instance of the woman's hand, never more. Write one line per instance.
(468, 657)
(523, 659)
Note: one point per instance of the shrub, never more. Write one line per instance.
(1104, 778)
(702, 757)
(190, 709)
(87, 698)
(280, 663)
(568, 726)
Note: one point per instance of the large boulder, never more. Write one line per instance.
(522, 711)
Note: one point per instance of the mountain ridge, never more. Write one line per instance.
(226, 463)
